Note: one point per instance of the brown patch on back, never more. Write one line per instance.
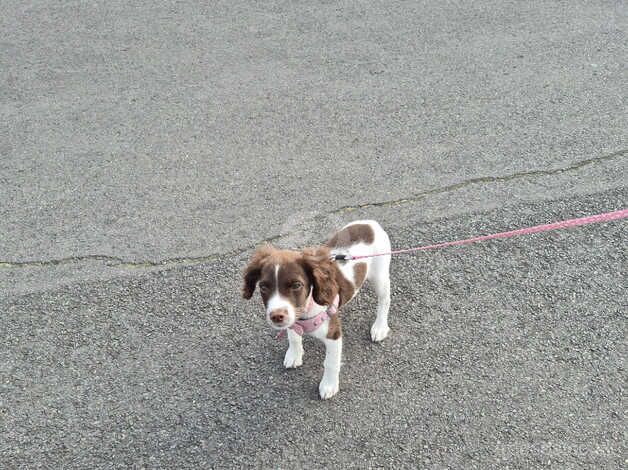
(334, 330)
(359, 273)
(351, 235)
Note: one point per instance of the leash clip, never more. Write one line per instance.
(341, 257)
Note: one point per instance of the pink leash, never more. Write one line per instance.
(592, 219)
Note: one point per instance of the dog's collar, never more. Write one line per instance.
(309, 325)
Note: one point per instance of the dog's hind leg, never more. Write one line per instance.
(379, 276)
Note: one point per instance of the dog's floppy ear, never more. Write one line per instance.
(319, 267)
(253, 271)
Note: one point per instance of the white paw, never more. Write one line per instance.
(328, 388)
(379, 332)
(293, 358)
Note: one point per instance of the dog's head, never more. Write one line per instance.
(287, 278)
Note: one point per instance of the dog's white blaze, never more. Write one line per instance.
(277, 301)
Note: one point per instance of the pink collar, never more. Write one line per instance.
(308, 325)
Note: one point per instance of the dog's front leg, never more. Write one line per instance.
(294, 354)
(331, 376)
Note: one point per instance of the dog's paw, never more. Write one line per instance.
(328, 388)
(379, 332)
(293, 358)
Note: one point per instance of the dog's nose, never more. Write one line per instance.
(278, 315)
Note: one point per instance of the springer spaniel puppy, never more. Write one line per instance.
(303, 290)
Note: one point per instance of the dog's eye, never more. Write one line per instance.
(263, 288)
(296, 285)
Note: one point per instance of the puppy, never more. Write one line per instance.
(303, 290)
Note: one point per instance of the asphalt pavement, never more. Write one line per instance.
(146, 149)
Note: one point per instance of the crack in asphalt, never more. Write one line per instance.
(117, 262)
(481, 179)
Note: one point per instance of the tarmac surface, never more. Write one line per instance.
(147, 149)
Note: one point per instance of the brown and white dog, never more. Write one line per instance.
(302, 290)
